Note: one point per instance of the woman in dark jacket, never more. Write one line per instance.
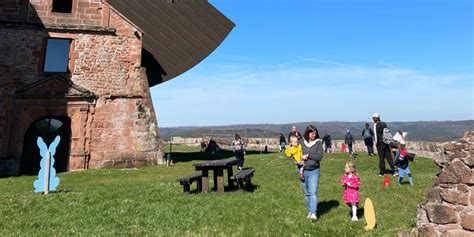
(312, 154)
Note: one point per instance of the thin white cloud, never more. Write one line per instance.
(383, 63)
(306, 59)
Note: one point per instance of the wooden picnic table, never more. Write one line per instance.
(218, 167)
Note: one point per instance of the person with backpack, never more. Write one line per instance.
(327, 143)
(383, 149)
(349, 141)
(368, 135)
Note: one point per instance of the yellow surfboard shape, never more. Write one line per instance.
(369, 214)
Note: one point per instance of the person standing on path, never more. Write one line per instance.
(349, 141)
(368, 135)
(383, 149)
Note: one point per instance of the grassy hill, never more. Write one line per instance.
(438, 131)
(150, 202)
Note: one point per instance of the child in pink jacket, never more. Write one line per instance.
(350, 181)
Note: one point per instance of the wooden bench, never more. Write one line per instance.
(188, 180)
(244, 179)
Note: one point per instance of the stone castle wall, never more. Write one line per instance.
(118, 128)
(449, 208)
(420, 148)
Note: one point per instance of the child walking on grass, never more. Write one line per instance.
(350, 181)
(295, 151)
(401, 161)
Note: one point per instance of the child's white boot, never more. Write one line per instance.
(354, 213)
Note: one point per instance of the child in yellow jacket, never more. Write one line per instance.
(295, 151)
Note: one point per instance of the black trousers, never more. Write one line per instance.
(239, 155)
(370, 145)
(384, 154)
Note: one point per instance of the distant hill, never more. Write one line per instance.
(438, 131)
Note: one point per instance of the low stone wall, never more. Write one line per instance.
(449, 209)
(420, 148)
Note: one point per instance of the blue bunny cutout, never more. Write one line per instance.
(53, 179)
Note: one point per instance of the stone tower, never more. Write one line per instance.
(82, 69)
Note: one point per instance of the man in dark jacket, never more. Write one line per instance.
(349, 140)
(327, 143)
(383, 149)
(368, 135)
(282, 142)
(295, 133)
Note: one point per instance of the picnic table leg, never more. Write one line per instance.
(219, 173)
(215, 178)
(205, 181)
(230, 173)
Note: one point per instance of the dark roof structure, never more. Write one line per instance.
(178, 34)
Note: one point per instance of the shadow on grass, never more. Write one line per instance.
(228, 189)
(326, 206)
(360, 212)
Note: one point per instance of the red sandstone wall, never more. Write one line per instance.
(120, 129)
(84, 12)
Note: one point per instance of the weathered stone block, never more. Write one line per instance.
(121, 164)
(433, 195)
(139, 163)
(421, 216)
(468, 159)
(104, 164)
(451, 227)
(454, 172)
(453, 146)
(472, 197)
(427, 231)
(458, 233)
(441, 214)
(468, 178)
(454, 197)
(463, 188)
(467, 220)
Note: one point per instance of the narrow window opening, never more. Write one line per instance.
(57, 55)
(64, 6)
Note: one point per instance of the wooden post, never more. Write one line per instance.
(47, 172)
(219, 173)
(205, 181)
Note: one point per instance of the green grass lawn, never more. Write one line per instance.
(149, 201)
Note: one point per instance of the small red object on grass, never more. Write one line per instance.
(386, 181)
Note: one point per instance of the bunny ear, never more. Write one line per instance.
(42, 146)
(53, 145)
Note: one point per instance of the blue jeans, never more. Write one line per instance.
(282, 146)
(310, 186)
(402, 172)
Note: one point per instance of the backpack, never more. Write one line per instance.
(366, 133)
(387, 136)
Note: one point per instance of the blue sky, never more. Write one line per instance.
(333, 60)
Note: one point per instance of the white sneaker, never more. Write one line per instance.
(354, 218)
(313, 217)
(309, 215)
